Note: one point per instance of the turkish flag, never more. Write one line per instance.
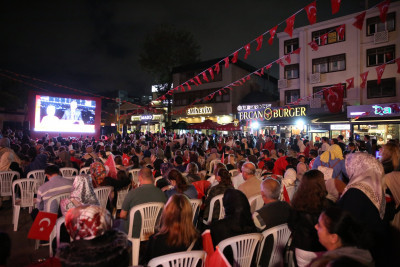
(188, 86)
(259, 42)
(42, 226)
(341, 31)
(314, 46)
(286, 195)
(288, 59)
(226, 62)
(364, 79)
(205, 76)
(272, 32)
(192, 81)
(216, 68)
(280, 62)
(247, 48)
(379, 72)
(297, 51)
(217, 259)
(198, 79)
(398, 64)
(383, 9)
(208, 245)
(350, 82)
(290, 25)
(125, 159)
(311, 10)
(359, 21)
(112, 170)
(211, 72)
(324, 39)
(335, 6)
(182, 88)
(334, 98)
(223, 156)
(235, 57)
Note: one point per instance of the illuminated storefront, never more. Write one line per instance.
(147, 123)
(381, 121)
(284, 121)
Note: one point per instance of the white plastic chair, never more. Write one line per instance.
(156, 180)
(55, 234)
(243, 247)
(180, 259)
(6, 180)
(84, 170)
(149, 213)
(212, 164)
(102, 194)
(234, 172)
(134, 174)
(281, 234)
(256, 203)
(195, 203)
(27, 190)
(39, 176)
(121, 197)
(221, 208)
(68, 172)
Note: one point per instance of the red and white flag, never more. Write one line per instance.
(364, 79)
(259, 42)
(125, 159)
(223, 156)
(311, 10)
(286, 195)
(207, 243)
(226, 62)
(272, 32)
(205, 76)
(280, 62)
(290, 25)
(350, 83)
(335, 4)
(297, 51)
(324, 39)
(288, 59)
(112, 170)
(216, 68)
(42, 226)
(334, 98)
(217, 259)
(211, 72)
(235, 57)
(247, 48)
(383, 9)
(341, 30)
(379, 72)
(359, 20)
(314, 46)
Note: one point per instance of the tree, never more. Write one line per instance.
(164, 49)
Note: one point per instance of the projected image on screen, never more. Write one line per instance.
(58, 114)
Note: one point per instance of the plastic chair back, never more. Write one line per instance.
(215, 199)
(27, 191)
(212, 164)
(68, 172)
(102, 194)
(281, 234)
(57, 199)
(156, 180)
(234, 172)
(6, 181)
(134, 175)
(180, 259)
(243, 247)
(121, 196)
(39, 176)
(256, 203)
(195, 203)
(84, 170)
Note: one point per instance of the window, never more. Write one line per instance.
(291, 45)
(292, 71)
(333, 37)
(380, 55)
(387, 88)
(329, 64)
(292, 95)
(321, 94)
(375, 24)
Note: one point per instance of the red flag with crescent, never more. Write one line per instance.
(341, 31)
(205, 76)
(297, 51)
(364, 79)
(272, 32)
(210, 70)
(334, 98)
(290, 25)
(359, 21)
(192, 81)
(379, 72)
(335, 4)
(247, 48)
(350, 82)
(235, 57)
(314, 46)
(198, 79)
(383, 9)
(280, 62)
(125, 159)
(188, 86)
(324, 39)
(216, 68)
(112, 169)
(311, 10)
(42, 226)
(288, 59)
(259, 42)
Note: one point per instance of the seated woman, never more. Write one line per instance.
(180, 185)
(308, 202)
(177, 231)
(342, 236)
(224, 182)
(82, 193)
(94, 242)
(192, 172)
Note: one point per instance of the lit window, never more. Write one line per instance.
(375, 24)
(380, 55)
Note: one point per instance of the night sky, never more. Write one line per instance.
(95, 45)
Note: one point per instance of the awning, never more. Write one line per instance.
(228, 127)
(329, 118)
(207, 124)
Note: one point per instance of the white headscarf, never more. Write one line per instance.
(366, 173)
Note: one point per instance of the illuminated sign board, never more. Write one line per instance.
(147, 117)
(199, 110)
(272, 113)
(340, 127)
(377, 110)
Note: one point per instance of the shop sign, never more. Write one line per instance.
(340, 127)
(272, 113)
(377, 110)
(236, 122)
(199, 110)
(147, 117)
(319, 127)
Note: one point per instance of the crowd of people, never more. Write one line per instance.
(340, 202)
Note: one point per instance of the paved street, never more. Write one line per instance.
(22, 252)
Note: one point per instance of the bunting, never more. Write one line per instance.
(350, 83)
(335, 4)
(364, 79)
(210, 71)
(311, 10)
(216, 68)
(290, 25)
(226, 62)
(341, 31)
(379, 71)
(313, 45)
(383, 9)
(359, 20)
(235, 57)
(272, 32)
(247, 48)
(259, 42)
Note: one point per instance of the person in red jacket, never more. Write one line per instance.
(280, 163)
(263, 159)
(269, 144)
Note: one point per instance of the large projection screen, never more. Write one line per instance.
(69, 115)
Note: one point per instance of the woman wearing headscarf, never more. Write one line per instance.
(332, 158)
(82, 193)
(98, 173)
(364, 198)
(94, 242)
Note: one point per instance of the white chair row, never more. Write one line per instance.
(134, 175)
